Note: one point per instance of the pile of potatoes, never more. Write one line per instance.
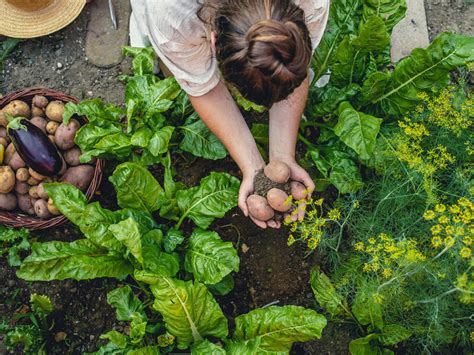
(20, 186)
(275, 199)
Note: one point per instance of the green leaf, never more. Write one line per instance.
(129, 235)
(392, 11)
(243, 103)
(247, 347)
(189, 310)
(147, 350)
(373, 35)
(125, 303)
(156, 261)
(41, 303)
(223, 287)
(141, 137)
(326, 294)
(205, 347)
(325, 100)
(428, 69)
(136, 188)
(209, 258)
(160, 140)
(216, 194)
(357, 130)
(116, 338)
(69, 200)
(79, 260)
(172, 239)
(200, 141)
(279, 327)
(365, 346)
(143, 59)
(393, 334)
(367, 310)
(96, 111)
(137, 328)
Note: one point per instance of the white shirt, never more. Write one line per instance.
(183, 41)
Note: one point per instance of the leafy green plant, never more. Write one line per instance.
(12, 242)
(7, 46)
(31, 337)
(364, 90)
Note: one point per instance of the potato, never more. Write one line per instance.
(55, 110)
(72, 155)
(79, 176)
(9, 153)
(21, 187)
(41, 209)
(298, 190)
(41, 193)
(277, 171)
(32, 181)
(51, 127)
(36, 175)
(3, 132)
(8, 202)
(278, 200)
(37, 112)
(22, 174)
(3, 119)
(39, 122)
(26, 203)
(33, 192)
(40, 101)
(7, 179)
(64, 136)
(259, 208)
(4, 142)
(17, 108)
(52, 208)
(16, 162)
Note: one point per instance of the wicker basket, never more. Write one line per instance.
(18, 220)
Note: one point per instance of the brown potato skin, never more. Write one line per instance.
(26, 204)
(39, 122)
(16, 162)
(40, 101)
(22, 174)
(277, 171)
(32, 181)
(21, 188)
(17, 108)
(71, 156)
(4, 142)
(259, 208)
(3, 132)
(7, 179)
(36, 111)
(8, 202)
(298, 190)
(52, 208)
(51, 127)
(277, 199)
(64, 136)
(41, 192)
(36, 175)
(9, 153)
(41, 209)
(3, 119)
(33, 192)
(79, 176)
(55, 110)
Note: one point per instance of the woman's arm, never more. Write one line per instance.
(220, 113)
(285, 117)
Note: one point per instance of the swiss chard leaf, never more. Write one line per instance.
(279, 327)
(216, 194)
(367, 310)
(368, 346)
(189, 310)
(128, 233)
(200, 141)
(392, 11)
(248, 347)
(393, 334)
(209, 258)
(205, 347)
(326, 294)
(125, 303)
(79, 260)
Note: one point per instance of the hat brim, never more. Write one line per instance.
(20, 23)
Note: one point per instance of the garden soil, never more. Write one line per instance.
(270, 272)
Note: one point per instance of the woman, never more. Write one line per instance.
(262, 47)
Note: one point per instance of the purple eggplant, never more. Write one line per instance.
(34, 147)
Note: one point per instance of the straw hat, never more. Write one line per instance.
(35, 18)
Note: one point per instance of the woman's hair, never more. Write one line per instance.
(263, 47)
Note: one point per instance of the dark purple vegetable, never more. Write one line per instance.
(34, 147)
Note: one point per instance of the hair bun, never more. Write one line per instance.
(278, 50)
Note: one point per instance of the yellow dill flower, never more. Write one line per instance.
(375, 267)
(291, 240)
(334, 214)
(467, 240)
(449, 230)
(456, 219)
(313, 243)
(413, 255)
(471, 336)
(366, 267)
(429, 215)
(319, 202)
(464, 202)
(449, 241)
(384, 237)
(441, 275)
(387, 273)
(370, 249)
(461, 281)
(454, 209)
(465, 253)
(459, 231)
(390, 248)
(436, 242)
(371, 241)
(443, 219)
(436, 229)
(440, 208)
(359, 246)
(356, 204)
(378, 298)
